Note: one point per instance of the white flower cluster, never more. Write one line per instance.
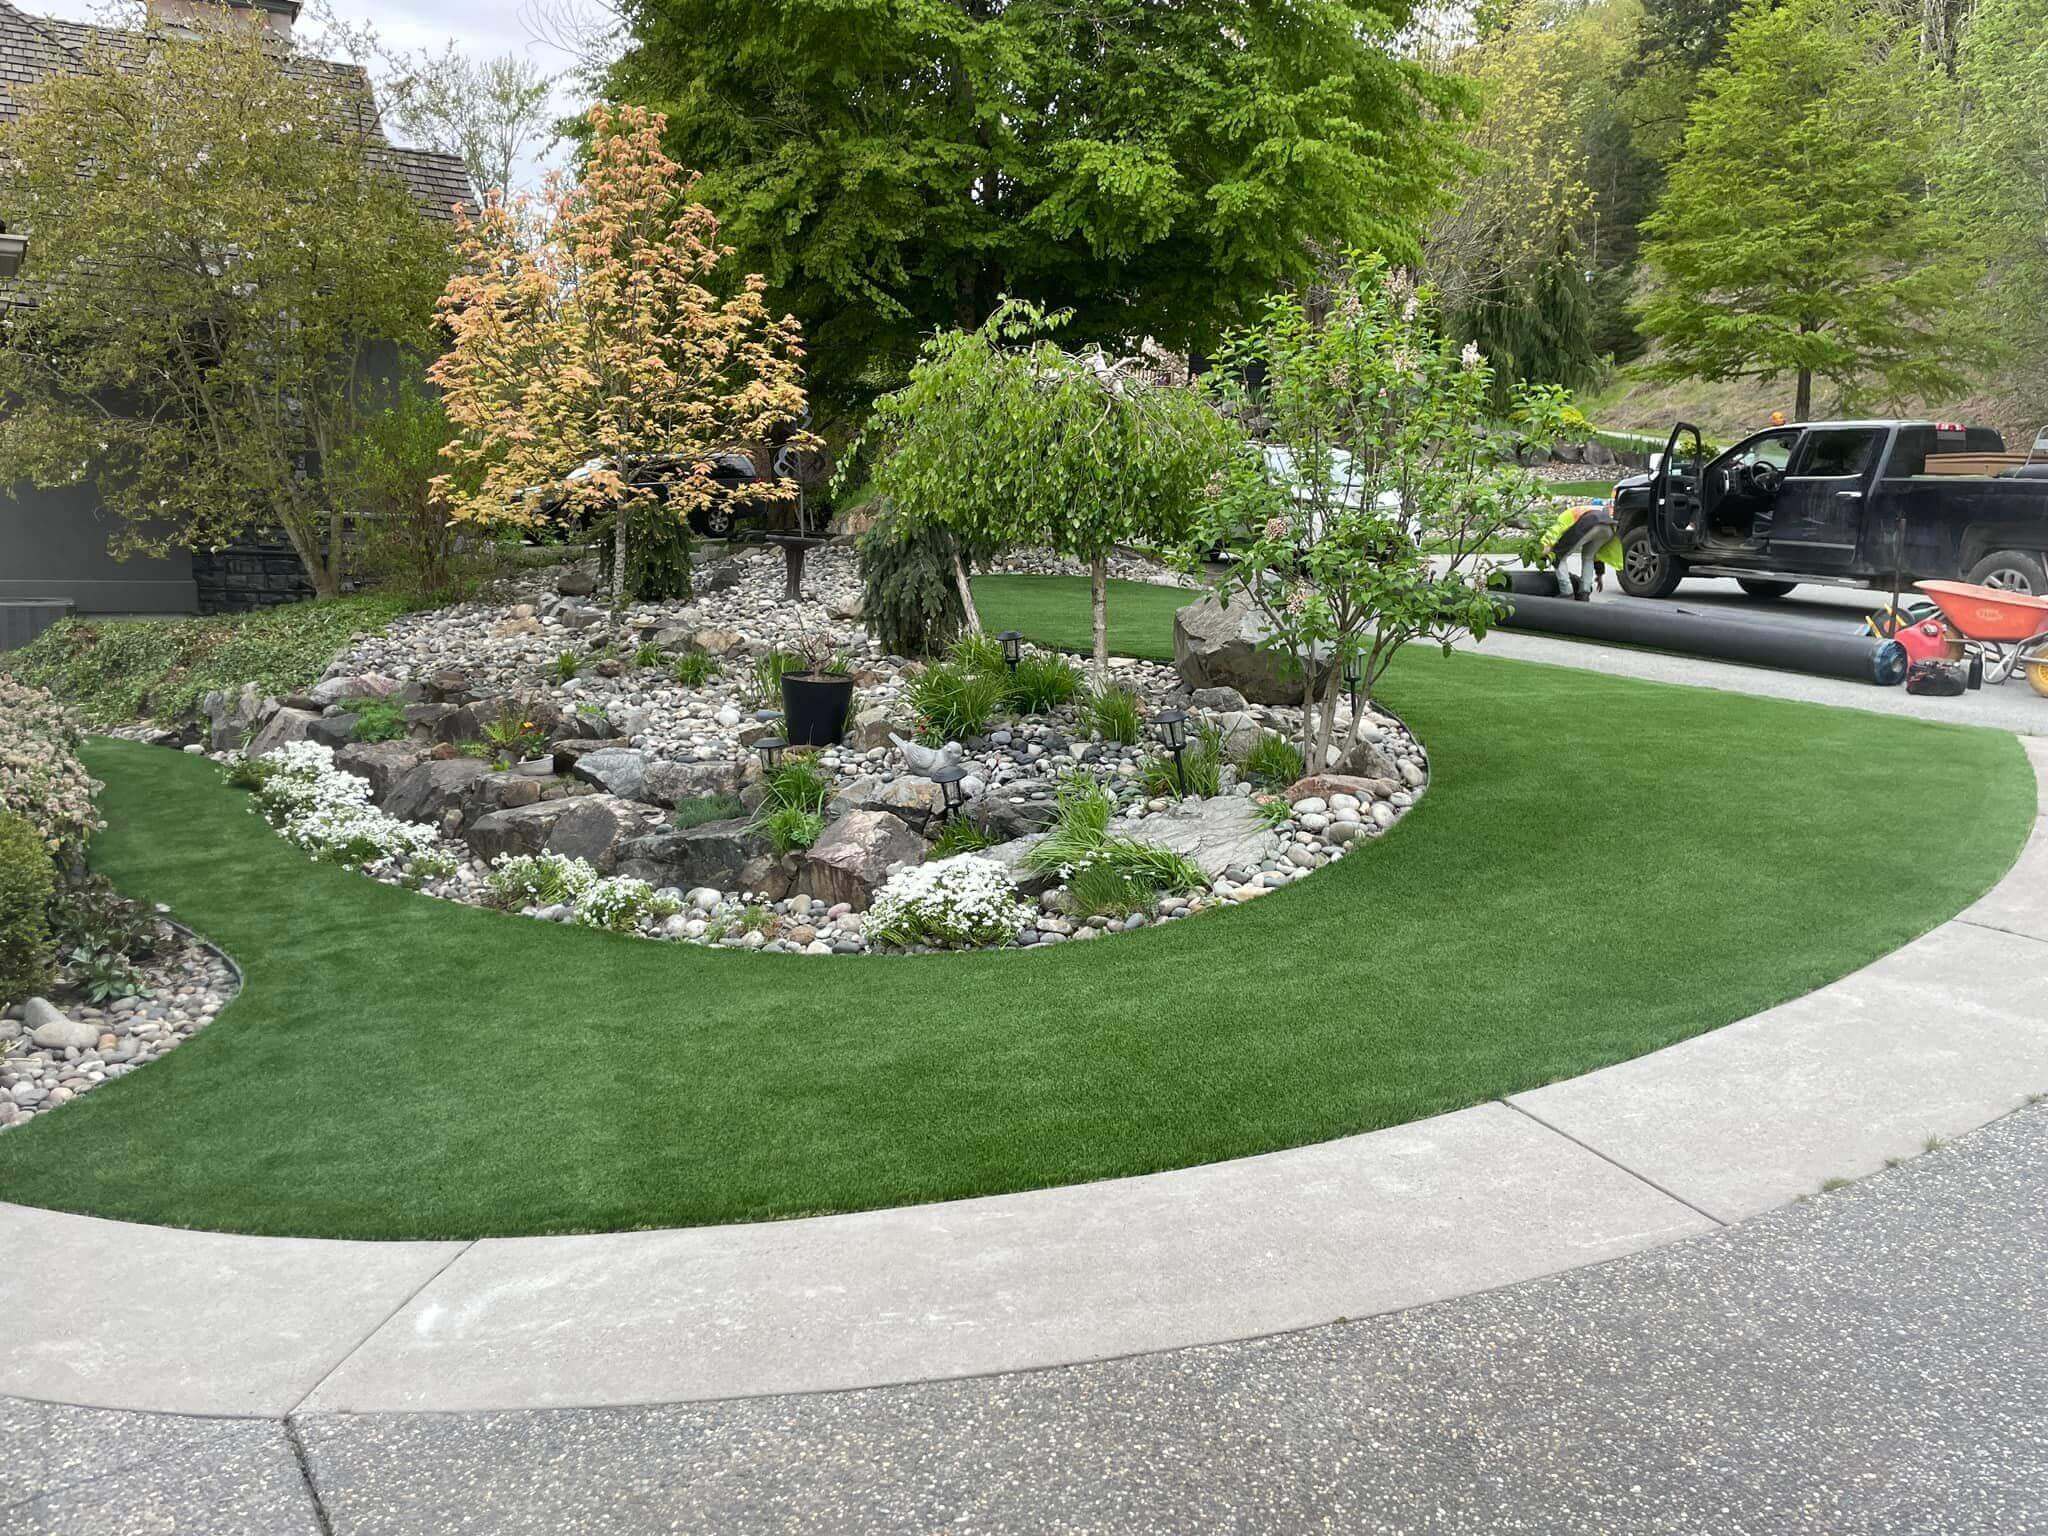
(617, 902)
(327, 812)
(959, 901)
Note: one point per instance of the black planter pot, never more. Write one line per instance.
(814, 708)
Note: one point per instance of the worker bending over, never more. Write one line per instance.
(1580, 540)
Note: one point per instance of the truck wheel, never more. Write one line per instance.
(1765, 589)
(2012, 570)
(1646, 571)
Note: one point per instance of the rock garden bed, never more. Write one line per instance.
(530, 754)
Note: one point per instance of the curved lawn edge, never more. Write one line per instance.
(397, 1067)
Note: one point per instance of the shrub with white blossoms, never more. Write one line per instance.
(616, 902)
(951, 903)
(327, 812)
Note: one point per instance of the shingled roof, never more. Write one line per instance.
(34, 46)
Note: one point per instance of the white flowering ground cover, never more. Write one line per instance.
(950, 904)
(318, 807)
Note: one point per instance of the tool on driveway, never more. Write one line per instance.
(2000, 630)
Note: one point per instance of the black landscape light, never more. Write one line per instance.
(13, 252)
(1173, 727)
(1354, 674)
(950, 780)
(771, 749)
(1013, 647)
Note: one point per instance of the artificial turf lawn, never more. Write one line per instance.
(1600, 868)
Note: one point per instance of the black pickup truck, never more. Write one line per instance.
(1837, 502)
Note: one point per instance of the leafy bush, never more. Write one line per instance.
(1273, 761)
(1274, 812)
(700, 809)
(952, 703)
(1199, 771)
(41, 779)
(27, 881)
(385, 475)
(378, 719)
(102, 973)
(949, 904)
(960, 836)
(89, 913)
(253, 773)
(1114, 714)
(694, 669)
(619, 902)
(790, 827)
(909, 598)
(1042, 683)
(657, 554)
(113, 671)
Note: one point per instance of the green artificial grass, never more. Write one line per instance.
(1600, 488)
(1602, 867)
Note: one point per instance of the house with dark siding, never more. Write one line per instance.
(54, 544)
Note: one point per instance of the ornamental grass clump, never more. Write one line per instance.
(794, 794)
(1042, 683)
(1114, 714)
(1273, 762)
(953, 702)
(952, 904)
(327, 812)
(1079, 843)
(1198, 772)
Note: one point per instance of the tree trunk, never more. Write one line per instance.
(1098, 601)
(1802, 405)
(966, 594)
(619, 560)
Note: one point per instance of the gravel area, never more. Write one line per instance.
(49, 1059)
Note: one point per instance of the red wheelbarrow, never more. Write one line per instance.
(2008, 630)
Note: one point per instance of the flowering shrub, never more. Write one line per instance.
(553, 880)
(538, 879)
(953, 902)
(41, 778)
(327, 812)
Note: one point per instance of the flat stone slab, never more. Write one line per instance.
(1348, 1228)
(1932, 1040)
(112, 1314)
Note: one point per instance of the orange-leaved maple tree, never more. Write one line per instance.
(590, 349)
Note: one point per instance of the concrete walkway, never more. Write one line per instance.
(1868, 1361)
(1936, 1039)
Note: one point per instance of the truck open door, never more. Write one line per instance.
(1678, 506)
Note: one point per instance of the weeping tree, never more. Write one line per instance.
(1004, 440)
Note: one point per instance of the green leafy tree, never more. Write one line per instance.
(220, 276)
(1004, 439)
(1995, 188)
(1361, 521)
(1794, 237)
(897, 168)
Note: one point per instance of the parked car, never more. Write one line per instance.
(731, 512)
(1836, 502)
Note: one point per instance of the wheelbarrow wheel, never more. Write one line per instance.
(2000, 662)
(2037, 677)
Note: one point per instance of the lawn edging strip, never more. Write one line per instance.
(1938, 1038)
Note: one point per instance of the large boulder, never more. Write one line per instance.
(1218, 647)
(620, 771)
(1220, 834)
(589, 827)
(432, 787)
(231, 717)
(714, 854)
(356, 685)
(1006, 816)
(872, 727)
(283, 727)
(1365, 760)
(670, 783)
(917, 801)
(383, 763)
(570, 750)
(854, 856)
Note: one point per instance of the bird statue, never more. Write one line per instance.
(926, 760)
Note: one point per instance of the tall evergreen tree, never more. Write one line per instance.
(1794, 236)
(897, 166)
